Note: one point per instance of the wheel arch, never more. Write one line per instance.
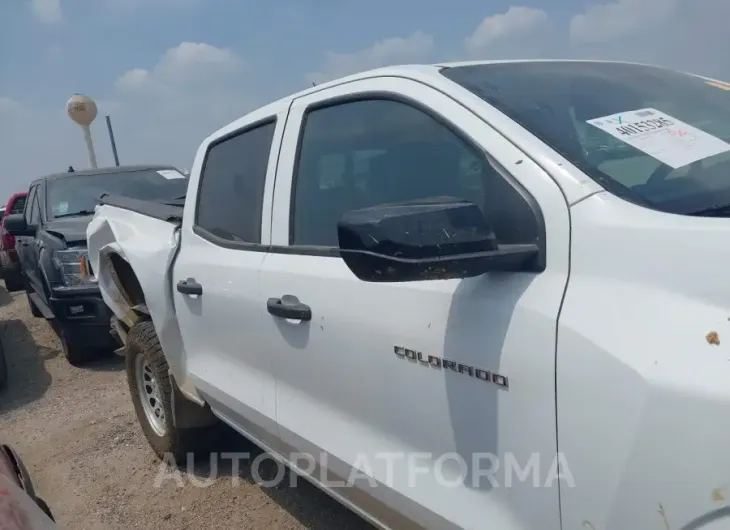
(186, 413)
(125, 279)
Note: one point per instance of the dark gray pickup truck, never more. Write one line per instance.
(51, 243)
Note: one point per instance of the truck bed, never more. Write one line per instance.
(170, 212)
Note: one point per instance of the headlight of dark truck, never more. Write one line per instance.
(73, 264)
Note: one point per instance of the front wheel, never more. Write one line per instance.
(151, 389)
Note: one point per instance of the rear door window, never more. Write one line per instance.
(230, 200)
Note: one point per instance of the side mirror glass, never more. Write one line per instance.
(429, 239)
(15, 225)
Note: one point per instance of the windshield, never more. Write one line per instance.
(77, 194)
(653, 136)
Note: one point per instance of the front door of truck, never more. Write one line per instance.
(426, 387)
(22, 243)
(216, 278)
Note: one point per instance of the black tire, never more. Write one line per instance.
(3, 368)
(13, 281)
(33, 308)
(142, 341)
(75, 354)
(4, 262)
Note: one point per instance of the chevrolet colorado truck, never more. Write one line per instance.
(51, 248)
(495, 293)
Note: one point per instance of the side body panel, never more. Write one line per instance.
(643, 370)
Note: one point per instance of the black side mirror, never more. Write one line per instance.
(15, 225)
(430, 239)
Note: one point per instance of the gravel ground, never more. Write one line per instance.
(78, 435)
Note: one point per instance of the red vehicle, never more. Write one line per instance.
(9, 263)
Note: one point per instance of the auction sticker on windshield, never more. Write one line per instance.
(669, 140)
(171, 174)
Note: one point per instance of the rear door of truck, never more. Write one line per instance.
(224, 238)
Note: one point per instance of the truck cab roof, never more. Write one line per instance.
(417, 72)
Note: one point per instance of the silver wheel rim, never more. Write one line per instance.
(150, 396)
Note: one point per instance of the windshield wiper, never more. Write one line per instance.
(714, 211)
(75, 214)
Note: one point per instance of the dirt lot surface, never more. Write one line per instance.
(76, 430)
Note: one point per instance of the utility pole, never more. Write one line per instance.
(111, 139)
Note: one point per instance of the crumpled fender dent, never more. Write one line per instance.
(149, 246)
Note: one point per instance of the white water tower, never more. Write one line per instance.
(82, 110)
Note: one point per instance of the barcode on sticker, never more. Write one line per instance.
(644, 113)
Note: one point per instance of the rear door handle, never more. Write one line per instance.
(289, 306)
(190, 287)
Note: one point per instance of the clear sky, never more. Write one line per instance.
(170, 72)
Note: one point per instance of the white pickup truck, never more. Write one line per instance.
(496, 290)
